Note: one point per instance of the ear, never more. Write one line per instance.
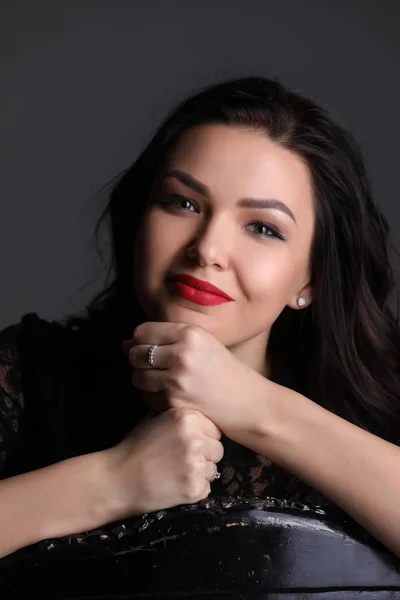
(306, 293)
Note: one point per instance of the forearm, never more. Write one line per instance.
(357, 470)
(64, 498)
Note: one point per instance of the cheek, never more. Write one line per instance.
(268, 275)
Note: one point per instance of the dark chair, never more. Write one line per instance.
(224, 548)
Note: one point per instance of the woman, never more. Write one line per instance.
(286, 374)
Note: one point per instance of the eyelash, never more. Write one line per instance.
(168, 200)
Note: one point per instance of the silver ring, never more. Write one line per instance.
(150, 357)
(217, 474)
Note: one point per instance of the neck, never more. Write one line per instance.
(253, 353)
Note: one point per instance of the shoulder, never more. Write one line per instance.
(13, 340)
(25, 348)
(11, 395)
(30, 325)
(27, 344)
(8, 349)
(10, 370)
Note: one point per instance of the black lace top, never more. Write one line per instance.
(66, 391)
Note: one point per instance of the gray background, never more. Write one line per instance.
(84, 83)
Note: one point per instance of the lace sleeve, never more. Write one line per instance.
(11, 397)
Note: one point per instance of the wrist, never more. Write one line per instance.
(120, 496)
(287, 425)
(70, 496)
(266, 424)
(253, 423)
(99, 483)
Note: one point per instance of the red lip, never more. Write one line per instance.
(203, 286)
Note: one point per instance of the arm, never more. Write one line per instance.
(357, 470)
(163, 462)
(64, 498)
(68, 497)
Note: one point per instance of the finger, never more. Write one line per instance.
(148, 381)
(209, 428)
(214, 451)
(158, 333)
(162, 356)
(210, 471)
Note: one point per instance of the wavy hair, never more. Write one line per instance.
(343, 350)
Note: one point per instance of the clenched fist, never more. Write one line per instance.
(165, 461)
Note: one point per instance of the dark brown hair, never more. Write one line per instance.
(343, 350)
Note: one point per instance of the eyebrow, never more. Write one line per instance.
(201, 188)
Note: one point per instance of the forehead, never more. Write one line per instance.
(235, 162)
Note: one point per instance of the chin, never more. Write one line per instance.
(192, 316)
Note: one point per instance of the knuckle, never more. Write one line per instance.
(183, 419)
(182, 414)
(180, 358)
(175, 383)
(191, 334)
(185, 435)
(194, 445)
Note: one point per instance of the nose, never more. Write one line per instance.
(213, 243)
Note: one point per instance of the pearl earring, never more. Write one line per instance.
(301, 302)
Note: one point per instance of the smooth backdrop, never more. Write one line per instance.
(84, 83)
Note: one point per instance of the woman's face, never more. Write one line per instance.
(234, 209)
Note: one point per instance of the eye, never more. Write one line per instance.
(265, 230)
(180, 203)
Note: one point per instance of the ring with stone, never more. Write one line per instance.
(150, 357)
(216, 474)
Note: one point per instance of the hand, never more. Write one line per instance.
(164, 461)
(194, 370)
